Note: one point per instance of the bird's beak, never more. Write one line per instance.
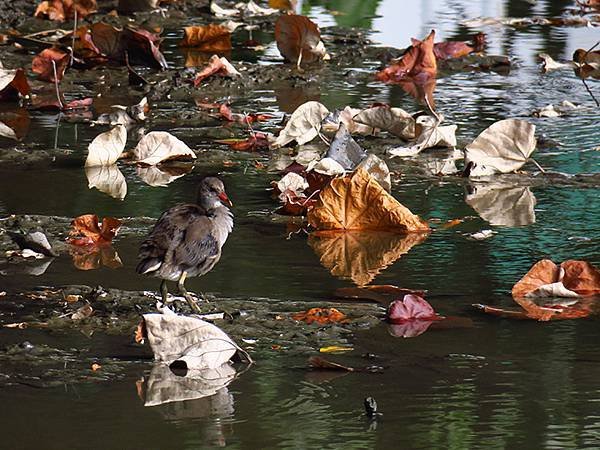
(224, 199)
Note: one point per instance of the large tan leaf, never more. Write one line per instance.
(201, 345)
(358, 202)
(159, 146)
(106, 148)
(503, 147)
(503, 204)
(107, 179)
(304, 125)
(361, 255)
(299, 39)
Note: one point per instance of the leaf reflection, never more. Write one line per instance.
(154, 176)
(502, 204)
(361, 255)
(107, 179)
(93, 257)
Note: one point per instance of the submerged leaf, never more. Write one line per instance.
(358, 202)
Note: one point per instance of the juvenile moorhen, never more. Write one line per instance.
(187, 239)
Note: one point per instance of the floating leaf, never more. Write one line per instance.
(159, 146)
(418, 62)
(451, 49)
(503, 147)
(304, 125)
(432, 134)
(106, 148)
(208, 38)
(299, 39)
(198, 344)
(394, 120)
(358, 202)
(87, 230)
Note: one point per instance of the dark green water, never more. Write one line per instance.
(499, 384)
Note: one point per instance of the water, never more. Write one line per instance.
(497, 384)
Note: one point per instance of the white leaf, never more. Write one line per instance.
(304, 124)
(293, 182)
(107, 179)
(503, 147)
(256, 10)
(106, 148)
(222, 12)
(395, 120)
(326, 166)
(7, 132)
(200, 344)
(153, 176)
(557, 289)
(481, 235)
(432, 135)
(159, 146)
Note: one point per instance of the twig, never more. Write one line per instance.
(587, 88)
(437, 117)
(60, 103)
(537, 165)
(73, 40)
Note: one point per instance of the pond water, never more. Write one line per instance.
(497, 384)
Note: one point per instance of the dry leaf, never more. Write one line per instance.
(571, 279)
(12, 84)
(216, 66)
(60, 10)
(394, 120)
(322, 316)
(160, 146)
(548, 63)
(83, 313)
(87, 231)
(106, 148)
(299, 39)
(451, 49)
(107, 179)
(503, 204)
(503, 147)
(361, 255)
(42, 64)
(199, 344)
(432, 134)
(418, 63)
(96, 367)
(304, 125)
(345, 150)
(209, 38)
(358, 202)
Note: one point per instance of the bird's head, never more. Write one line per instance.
(211, 194)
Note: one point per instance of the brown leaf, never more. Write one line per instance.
(451, 49)
(580, 277)
(140, 332)
(142, 47)
(12, 84)
(87, 231)
(209, 38)
(361, 255)
(42, 64)
(59, 10)
(216, 66)
(299, 36)
(418, 62)
(322, 316)
(358, 202)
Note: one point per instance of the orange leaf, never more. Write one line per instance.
(298, 35)
(209, 38)
(216, 66)
(358, 202)
(322, 316)
(87, 230)
(60, 10)
(42, 64)
(418, 62)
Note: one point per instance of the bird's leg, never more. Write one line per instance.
(164, 291)
(186, 294)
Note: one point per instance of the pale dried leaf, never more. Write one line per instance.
(394, 120)
(304, 124)
(326, 166)
(292, 182)
(160, 146)
(106, 148)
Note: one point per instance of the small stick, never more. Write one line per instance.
(73, 40)
(537, 165)
(60, 103)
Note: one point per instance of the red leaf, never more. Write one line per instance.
(216, 66)
(418, 63)
(409, 308)
(42, 64)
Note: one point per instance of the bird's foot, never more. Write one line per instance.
(192, 302)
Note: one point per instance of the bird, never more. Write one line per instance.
(186, 240)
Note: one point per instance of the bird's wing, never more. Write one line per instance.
(199, 247)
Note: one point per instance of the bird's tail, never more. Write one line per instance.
(149, 257)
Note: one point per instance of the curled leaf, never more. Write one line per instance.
(208, 38)
(394, 120)
(49, 59)
(106, 148)
(216, 66)
(418, 62)
(160, 146)
(304, 124)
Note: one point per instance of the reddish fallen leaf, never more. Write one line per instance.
(452, 49)
(142, 46)
(12, 84)
(141, 332)
(227, 114)
(43, 66)
(295, 204)
(209, 38)
(60, 10)
(322, 316)
(256, 141)
(579, 277)
(418, 62)
(88, 231)
(299, 39)
(216, 66)
(543, 313)
(409, 308)
(452, 223)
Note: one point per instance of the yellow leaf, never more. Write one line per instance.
(358, 202)
(335, 349)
